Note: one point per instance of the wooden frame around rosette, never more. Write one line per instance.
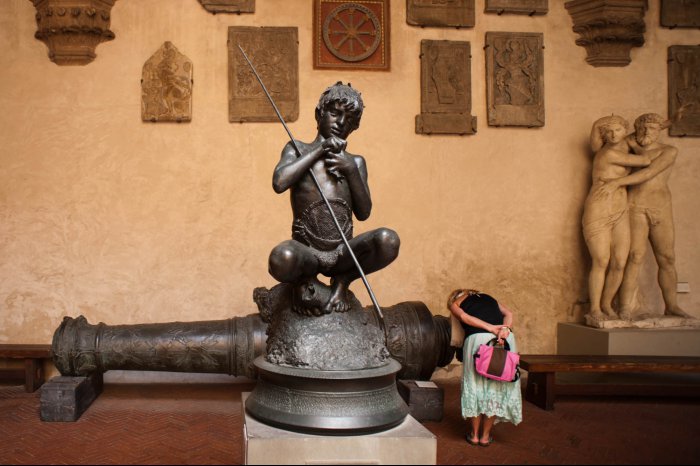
(352, 35)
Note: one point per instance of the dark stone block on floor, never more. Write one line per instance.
(425, 403)
(65, 399)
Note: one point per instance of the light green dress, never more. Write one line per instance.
(485, 396)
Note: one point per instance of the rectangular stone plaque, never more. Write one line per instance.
(684, 90)
(523, 7)
(680, 13)
(228, 6)
(440, 13)
(274, 51)
(515, 78)
(445, 82)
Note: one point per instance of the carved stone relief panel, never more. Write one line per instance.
(445, 82)
(351, 35)
(228, 6)
(440, 13)
(608, 29)
(72, 29)
(523, 7)
(274, 51)
(515, 78)
(166, 86)
(680, 13)
(684, 90)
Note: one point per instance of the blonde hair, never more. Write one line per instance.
(458, 293)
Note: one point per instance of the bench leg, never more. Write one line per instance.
(33, 374)
(540, 389)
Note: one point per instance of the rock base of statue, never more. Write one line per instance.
(338, 402)
(324, 372)
(300, 335)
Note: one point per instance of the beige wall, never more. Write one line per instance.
(128, 222)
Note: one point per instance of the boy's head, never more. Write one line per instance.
(348, 97)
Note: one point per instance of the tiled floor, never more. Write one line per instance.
(202, 424)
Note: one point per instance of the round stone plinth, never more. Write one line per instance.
(327, 402)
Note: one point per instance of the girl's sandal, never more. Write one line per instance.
(487, 443)
(470, 441)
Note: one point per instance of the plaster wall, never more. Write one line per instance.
(125, 222)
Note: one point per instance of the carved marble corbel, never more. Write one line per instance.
(608, 29)
(72, 29)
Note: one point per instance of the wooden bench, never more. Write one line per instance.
(33, 356)
(542, 388)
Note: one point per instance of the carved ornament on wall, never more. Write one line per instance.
(521, 7)
(684, 90)
(166, 86)
(274, 51)
(72, 29)
(440, 13)
(680, 13)
(351, 35)
(445, 83)
(228, 6)
(608, 29)
(515, 78)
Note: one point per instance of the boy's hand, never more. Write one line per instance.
(339, 164)
(334, 144)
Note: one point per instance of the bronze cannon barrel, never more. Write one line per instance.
(417, 339)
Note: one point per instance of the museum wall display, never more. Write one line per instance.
(522, 7)
(72, 30)
(274, 50)
(129, 222)
(608, 29)
(446, 88)
(680, 13)
(352, 35)
(459, 13)
(684, 90)
(228, 6)
(515, 78)
(166, 86)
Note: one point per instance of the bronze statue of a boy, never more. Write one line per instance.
(316, 245)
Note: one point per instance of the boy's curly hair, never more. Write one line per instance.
(350, 98)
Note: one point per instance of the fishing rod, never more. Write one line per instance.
(377, 309)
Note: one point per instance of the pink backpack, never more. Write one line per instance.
(497, 362)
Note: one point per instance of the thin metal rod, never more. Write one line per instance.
(323, 196)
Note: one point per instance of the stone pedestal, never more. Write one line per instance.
(65, 399)
(425, 400)
(407, 443)
(575, 338)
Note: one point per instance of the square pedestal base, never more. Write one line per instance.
(408, 443)
(581, 339)
(425, 400)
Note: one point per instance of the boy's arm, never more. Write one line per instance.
(361, 198)
(353, 169)
(292, 167)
